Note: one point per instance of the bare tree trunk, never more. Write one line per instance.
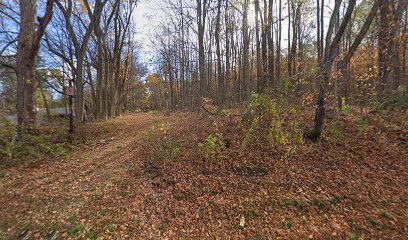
(271, 58)
(221, 94)
(328, 61)
(80, 47)
(278, 48)
(383, 38)
(29, 39)
(259, 70)
(201, 18)
(395, 41)
(245, 41)
(318, 31)
(322, 46)
(47, 109)
(289, 58)
(227, 55)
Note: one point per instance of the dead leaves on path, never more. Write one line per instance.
(159, 184)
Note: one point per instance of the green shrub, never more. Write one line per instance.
(149, 135)
(347, 108)
(397, 98)
(363, 126)
(7, 139)
(30, 146)
(168, 149)
(214, 144)
(335, 129)
(394, 99)
(265, 120)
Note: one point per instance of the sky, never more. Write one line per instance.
(149, 14)
(147, 17)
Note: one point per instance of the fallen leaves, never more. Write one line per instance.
(125, 190)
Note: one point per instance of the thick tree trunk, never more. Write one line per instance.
(384, 67)
(29, 39)
(26, 67)
(395, 42)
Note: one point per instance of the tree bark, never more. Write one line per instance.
(245, 41)
(328, 61)
(259, 70)
(28, 45)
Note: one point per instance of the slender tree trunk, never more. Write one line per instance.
(47, 109)
(245, 41)
(79, 90)
(221, 94)
(328, 61)
(201, 15)
(259, 70)
(264, 24)
(271, 58)
(227, 55)
(278, 48)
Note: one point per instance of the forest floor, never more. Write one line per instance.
(156, 176)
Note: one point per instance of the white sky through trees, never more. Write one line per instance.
(150, 14)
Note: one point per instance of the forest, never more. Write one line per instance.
(203, 119)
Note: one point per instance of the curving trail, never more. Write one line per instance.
(139, 183)
(54, 194)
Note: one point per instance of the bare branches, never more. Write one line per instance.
(42, 24)
(361, 34)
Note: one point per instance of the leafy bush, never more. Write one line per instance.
(363, 126)
(34, 147)
(168, 149)
(397, 98)
(214, 144)
(347, 109)
(7, 139)
(394, 99)
(335, 129)
(266, 120)
(149, 135)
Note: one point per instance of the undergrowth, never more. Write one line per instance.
(35, 146)
(271, 121)
(46, 142)
(214, 144)
(162, 146)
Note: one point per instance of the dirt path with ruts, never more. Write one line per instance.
(78, 191)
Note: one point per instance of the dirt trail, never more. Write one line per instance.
(56, 193)
(160, 184)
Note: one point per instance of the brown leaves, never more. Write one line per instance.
(133, 192)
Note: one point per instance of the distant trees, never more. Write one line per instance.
(80, 40)
(89, 43)
(218, 49)
(390, 40)
(103, 44)
(249, 54)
